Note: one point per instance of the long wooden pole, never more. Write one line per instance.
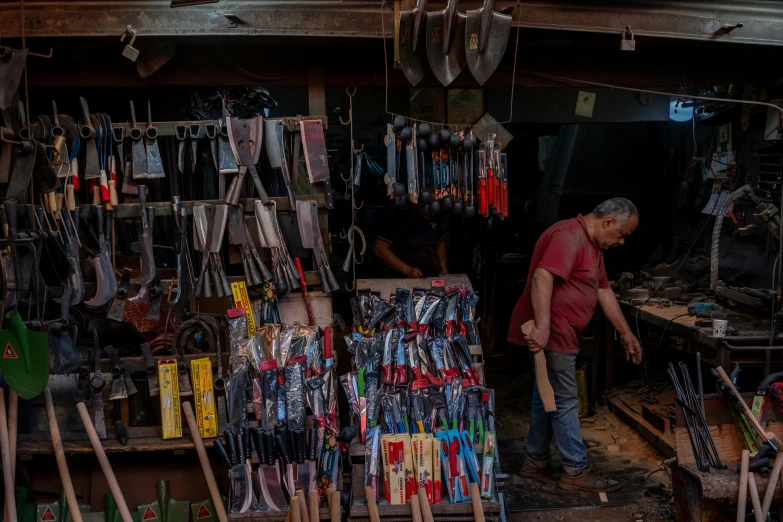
(5, 452)
(214, 492)
(59, 453)
(13, 415)
(122, 507)
(773, 482)
(754, 498)
(742, 495)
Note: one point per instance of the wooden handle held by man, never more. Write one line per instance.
(545, 390)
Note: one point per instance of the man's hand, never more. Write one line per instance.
(633, 350)
(413, 273)
(537, 339)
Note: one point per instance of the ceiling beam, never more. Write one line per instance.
(761, 22)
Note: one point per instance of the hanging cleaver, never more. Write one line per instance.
(154, 163)
(316, 157)
(275, 150)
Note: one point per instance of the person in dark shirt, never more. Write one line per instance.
(411, 243)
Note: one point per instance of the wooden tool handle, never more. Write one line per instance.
(773, 482)
(70, 200)
(742, 495)
(749, 414)
(214, 492)
(415, 508)
(96, 194)
(58, 205)
(303, 514)
(545, 390)
(372, 507)
(5, 452)
(424, 506)
(13, 414)
(335, 511)
(62, 464)
(293, 510)
(754, 498)
(475, 500)
(113, 193)
(122, 507)
(314, 505)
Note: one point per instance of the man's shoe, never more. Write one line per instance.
(588, 480)
(532, 469)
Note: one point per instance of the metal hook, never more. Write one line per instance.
(360, 206)
(29, 53)
(8, 140)
(351, 287)
(350, 117)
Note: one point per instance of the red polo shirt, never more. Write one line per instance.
(566, 251)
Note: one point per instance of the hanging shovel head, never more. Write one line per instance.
(64, 358)
(446, 42)
(11, 66)
(25, 358)
(486, 36)
(411, 43)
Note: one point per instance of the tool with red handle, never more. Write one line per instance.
(483, 204)
(303, 284)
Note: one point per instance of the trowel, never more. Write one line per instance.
(154, 163)
(25, 360)
(164, 508)
(411, 43)
(138, 152)
(446, 42)
(486, 36)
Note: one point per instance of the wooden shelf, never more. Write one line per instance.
(273, 516)
(163, 208)
(36, 444)
(359, 510)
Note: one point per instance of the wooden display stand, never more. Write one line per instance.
(700, 495)
(445, 511)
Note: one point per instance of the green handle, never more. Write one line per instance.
(17, 325)
(472, 429)
(481, 431)
(360, 383)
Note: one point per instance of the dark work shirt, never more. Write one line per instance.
(413, 239)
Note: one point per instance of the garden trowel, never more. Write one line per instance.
(412, 48)
(486, 36)
(164, 508)
(446, 42)
(25, 361)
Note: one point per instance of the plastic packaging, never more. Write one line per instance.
(286, 335)
(295, 394)
(237, 333)
(268, 336)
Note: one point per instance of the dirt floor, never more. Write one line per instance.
(614, 449)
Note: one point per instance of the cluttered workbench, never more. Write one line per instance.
(747, 333)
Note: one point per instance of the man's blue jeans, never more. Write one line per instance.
(563, 423)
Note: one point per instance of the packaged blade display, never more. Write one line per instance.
(171, 416)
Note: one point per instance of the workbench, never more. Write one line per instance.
(672, 327)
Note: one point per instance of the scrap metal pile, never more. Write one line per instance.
(418, 397)
(462, 172)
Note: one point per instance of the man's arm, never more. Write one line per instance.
(442, 258)
(383, 252)
(541, 298)
(611, 309)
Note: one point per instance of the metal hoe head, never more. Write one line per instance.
(486, 37)
(446, 42)
(411, 35)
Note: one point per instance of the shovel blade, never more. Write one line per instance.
(482, 64)
(25, 358)
(445, 65)
(412, 62)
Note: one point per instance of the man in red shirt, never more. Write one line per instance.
(566, 280)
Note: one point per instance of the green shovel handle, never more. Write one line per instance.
(17, 325)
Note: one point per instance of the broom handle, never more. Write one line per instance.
(5, 452)
(122, 507)
(13, 414)
(214, 492)
(59, 453)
